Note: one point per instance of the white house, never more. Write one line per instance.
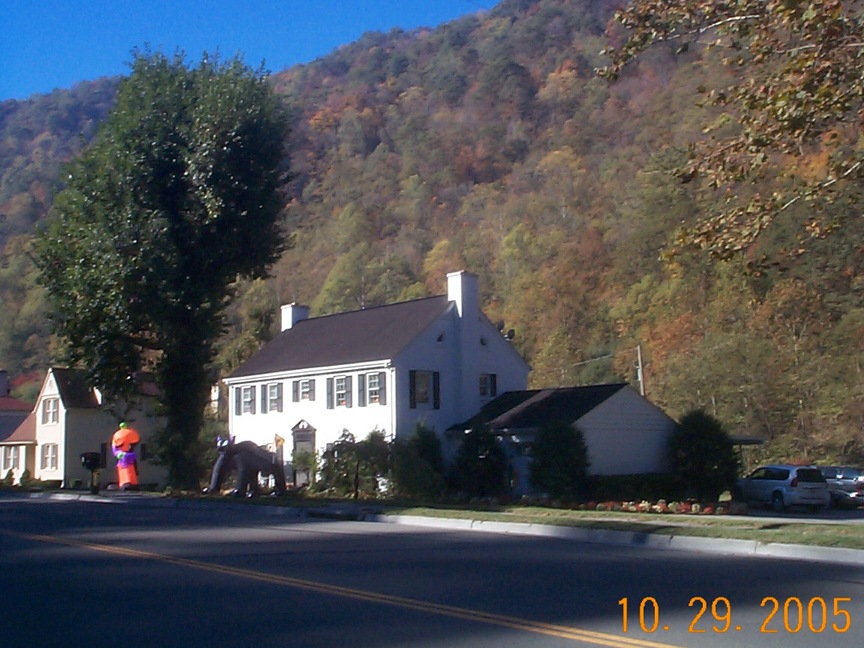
(624, 433)
(69, 418)
(433, 361)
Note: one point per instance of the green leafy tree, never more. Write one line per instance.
(559, 461)
(177, 197)
(252, 323)
(798, 90)
(703, 455)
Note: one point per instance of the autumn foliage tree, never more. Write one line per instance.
(176, 199)
(797, 88)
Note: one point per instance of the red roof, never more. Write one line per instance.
(9, 404)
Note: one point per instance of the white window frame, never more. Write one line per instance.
(247, 399)
(373, 388)
(10, 456)
(51, 410)
(274, 397)
(340, 391)
(305, 389)
(49, 456)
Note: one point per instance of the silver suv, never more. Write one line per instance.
(782, 486)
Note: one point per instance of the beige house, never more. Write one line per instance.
(69, 419)
(624, 433)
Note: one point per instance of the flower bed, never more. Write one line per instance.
(660, 507)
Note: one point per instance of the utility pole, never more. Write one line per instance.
(639, 372)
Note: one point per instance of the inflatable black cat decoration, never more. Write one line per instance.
(248, 460)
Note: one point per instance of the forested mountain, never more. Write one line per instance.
(490, 144)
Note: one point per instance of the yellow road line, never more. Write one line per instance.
(515, 623)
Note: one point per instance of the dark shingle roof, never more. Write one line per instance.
(74, 390)
(378, 333)
(534, 408)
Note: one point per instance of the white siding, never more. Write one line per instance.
(626, 435)
(458, 349)
(262, 427)
(85, 430)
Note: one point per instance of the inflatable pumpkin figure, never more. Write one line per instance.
(123, 444)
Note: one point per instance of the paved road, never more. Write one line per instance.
(130, 574)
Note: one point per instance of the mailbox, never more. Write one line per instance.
(90, 460)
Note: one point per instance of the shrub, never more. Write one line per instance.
(480, 469)
(703, 456)
(27, 479)
(559, 465)
(351, 467)
(418, 466)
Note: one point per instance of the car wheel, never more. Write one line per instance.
(777, 503)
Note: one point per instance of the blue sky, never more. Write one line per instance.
(48, 44)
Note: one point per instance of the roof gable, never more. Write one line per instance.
(73, 388)
(367, 335)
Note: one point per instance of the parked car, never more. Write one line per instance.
(846, 485)
(782, 486)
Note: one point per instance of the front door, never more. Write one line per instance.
(303, 460)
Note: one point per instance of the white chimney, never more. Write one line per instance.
(462, 288)
(293, 313)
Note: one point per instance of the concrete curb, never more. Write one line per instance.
(636, 539)
(733, 547)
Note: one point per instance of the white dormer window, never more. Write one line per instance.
(50, 411)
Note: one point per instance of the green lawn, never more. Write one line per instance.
(780, 530)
